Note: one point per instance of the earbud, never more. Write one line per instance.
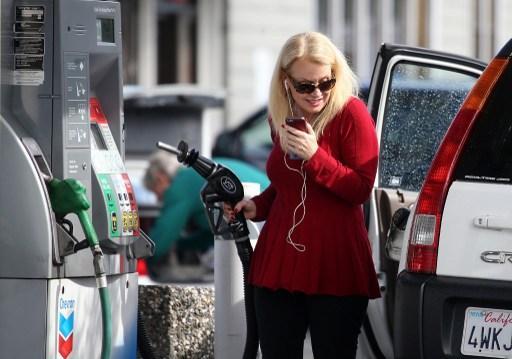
(285, 83)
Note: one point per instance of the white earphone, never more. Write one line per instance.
(299, 247)
(303, 191)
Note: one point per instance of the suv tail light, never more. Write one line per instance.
(424, 239)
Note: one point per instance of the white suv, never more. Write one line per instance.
(453, 293)
(414, 96)
(457, 271)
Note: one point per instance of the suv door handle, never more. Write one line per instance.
(493, 222)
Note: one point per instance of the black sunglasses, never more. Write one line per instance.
(308, 87)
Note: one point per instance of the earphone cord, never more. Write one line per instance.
(299, 247)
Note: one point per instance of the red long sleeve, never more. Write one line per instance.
(337, 259)
(263, 203)
(351, 176)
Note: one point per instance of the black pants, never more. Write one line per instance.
(283, 319)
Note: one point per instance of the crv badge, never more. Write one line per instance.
(496, 256)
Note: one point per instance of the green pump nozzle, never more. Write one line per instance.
(68, 196)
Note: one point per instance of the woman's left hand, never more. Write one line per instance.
(303, 144)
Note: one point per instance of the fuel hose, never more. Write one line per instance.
(244, 250)
(68, 196)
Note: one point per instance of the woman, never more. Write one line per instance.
(312, 266)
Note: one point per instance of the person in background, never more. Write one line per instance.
(182, 224)
(312, 266)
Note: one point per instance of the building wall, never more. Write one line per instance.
(239, 40)
(502, 31)
(453, 26)
(475, 28)
(211, 42)
(255, 32)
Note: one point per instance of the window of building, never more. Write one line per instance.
(177, 41)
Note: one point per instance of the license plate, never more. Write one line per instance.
(487, 332)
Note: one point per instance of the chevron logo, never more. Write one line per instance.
(65, 346)
(66, 334)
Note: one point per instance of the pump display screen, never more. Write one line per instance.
(105, 30)
(98, 138)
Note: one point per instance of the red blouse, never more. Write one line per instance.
(339, 177)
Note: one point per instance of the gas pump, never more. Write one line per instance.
(61, 118)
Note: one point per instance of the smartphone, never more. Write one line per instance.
(297, 122)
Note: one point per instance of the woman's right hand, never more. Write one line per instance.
(248, 207)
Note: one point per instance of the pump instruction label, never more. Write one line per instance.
(28, 27)
(28, 63)
(30, 13)
(28, 45)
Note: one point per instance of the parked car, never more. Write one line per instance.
(413, 97)
(249, 142)
(455, 276)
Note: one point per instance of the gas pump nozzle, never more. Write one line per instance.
(204, 166)
(222, 185)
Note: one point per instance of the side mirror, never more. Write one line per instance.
(396, 233)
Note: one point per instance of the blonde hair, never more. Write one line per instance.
(317, 48)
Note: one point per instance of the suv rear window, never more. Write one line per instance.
(422, 100)
(487, 156)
